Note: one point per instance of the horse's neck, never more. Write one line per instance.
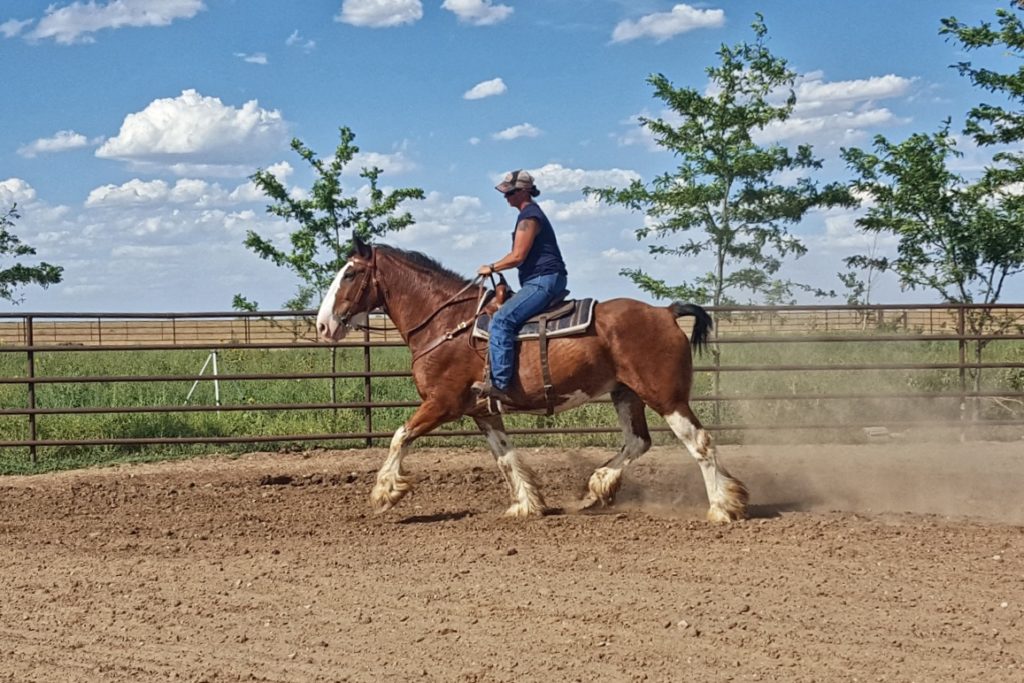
(411, 301)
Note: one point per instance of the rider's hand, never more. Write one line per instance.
(486, 269)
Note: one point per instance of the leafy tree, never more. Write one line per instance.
(957, 238)
(991, 124)
(960, 238)
(726, 187)
(18, 275)
(326, 220)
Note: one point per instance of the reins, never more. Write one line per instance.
(371, 273)
(451, 300)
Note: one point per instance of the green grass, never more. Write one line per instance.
(255, 393)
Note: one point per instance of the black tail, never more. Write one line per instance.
(702, 324)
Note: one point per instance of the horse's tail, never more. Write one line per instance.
(702, 324)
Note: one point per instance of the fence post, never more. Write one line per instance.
(961, 327)
(32, 433)
(367, 389)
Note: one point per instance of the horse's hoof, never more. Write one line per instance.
(603, 485)
(389, 490)
(521, 510)
(717, 515)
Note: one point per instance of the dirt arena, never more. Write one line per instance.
(861, 563)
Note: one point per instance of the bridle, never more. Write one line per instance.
(369, 273)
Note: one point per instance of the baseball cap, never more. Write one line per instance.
(515, 180)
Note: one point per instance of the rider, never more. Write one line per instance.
(542, 280)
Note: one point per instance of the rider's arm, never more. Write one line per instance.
(526, 232)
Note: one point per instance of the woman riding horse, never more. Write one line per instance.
(542, 281)
(633, 352)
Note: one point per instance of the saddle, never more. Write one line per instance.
(564, 318)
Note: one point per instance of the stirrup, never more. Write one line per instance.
(485, 389)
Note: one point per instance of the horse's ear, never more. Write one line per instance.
(359, 247)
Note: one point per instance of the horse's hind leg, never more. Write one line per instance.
(726, 494)
(605, 481)
(522, 482)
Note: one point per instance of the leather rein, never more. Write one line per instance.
(371, 273)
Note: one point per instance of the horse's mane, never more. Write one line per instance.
(423, 262)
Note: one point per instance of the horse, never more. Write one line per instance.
(633, 351)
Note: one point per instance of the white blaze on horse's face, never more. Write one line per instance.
(327, 324)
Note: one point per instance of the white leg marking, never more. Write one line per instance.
(727, 496)
(527, 500)
(392, 483)
(604, 483)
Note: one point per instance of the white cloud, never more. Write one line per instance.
(296, 40)
(393, 163)
(557, 178)
(247, 192)
(826, 113)
(838, 112)
(255, 58)
(664, 25)
(15, 191)
(581, 209)
(134, 191)
(813, 93)
(61, 141)
(454, 222)
(495, 86)
(194, 130)
(75, 23)
(13, 27)
(478, 12)
(843, 236)
(843, 127)
(380, 13)
(523, 130)
(192, 192)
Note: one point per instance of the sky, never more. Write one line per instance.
(130, 127)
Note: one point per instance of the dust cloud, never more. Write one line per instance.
(973, 479)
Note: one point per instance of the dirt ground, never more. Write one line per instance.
(863, 563)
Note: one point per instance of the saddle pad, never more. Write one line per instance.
(573, 323)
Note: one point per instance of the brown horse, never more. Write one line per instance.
(633, 351)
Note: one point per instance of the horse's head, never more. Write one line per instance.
(352, 293)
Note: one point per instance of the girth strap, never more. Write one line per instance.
(545, 368)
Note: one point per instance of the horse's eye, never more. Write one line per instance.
(348, 275)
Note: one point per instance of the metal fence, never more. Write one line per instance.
(762, 376)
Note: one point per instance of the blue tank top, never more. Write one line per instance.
(544, 257)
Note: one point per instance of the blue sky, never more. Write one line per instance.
(130, 126)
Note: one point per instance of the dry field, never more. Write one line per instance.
(861, 563)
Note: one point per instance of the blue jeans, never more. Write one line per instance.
(532, 298)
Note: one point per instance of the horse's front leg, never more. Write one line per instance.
(393, 483)
(522, 482)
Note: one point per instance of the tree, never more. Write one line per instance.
(962, 239)
(327, 219)
(726, 185)
(991, 124)
(13, 277)
(859, 278)
(958, 238)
